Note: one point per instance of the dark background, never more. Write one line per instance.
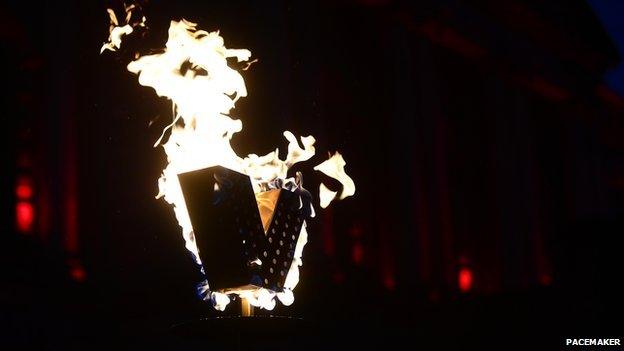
(484, 137)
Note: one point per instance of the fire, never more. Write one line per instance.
(193, 72)
(335, 168)
(117, 31)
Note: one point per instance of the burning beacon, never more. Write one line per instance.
(243, 219)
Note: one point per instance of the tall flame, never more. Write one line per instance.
(193, 72)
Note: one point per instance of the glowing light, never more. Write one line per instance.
(357, 253)
(389, 282)
(545, 279)
(24, 216)
(78, 274)
(464, 279)
(24, 190)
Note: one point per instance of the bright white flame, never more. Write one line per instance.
(117, 31)
(193, 72)
(219, 300)
(325, 195)
(334, 167)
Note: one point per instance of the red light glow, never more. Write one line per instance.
(78, 274)
(24, 216)
(76, 270)
(24, 190)
(389, 282)
(357, 253)
(545, 279)
(464, 279)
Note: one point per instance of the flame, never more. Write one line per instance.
(325, 195)
(335, 168)
(193, 72)
(116, 31)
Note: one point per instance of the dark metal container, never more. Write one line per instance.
(229, 232)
